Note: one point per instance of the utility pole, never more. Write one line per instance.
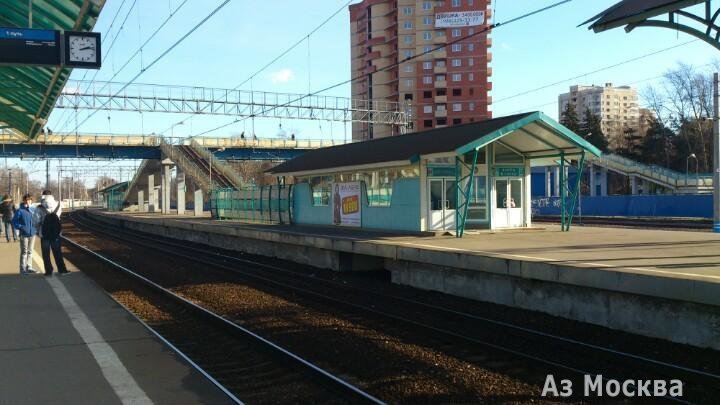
(10, 181)
(47, 174)
(716, 153)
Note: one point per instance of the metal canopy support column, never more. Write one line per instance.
(464, 193)
(575, 196)
(562, 190)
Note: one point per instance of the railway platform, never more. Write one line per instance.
(657, 283)
(64, 340)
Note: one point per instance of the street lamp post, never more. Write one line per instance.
(687, 165)
(716, 154)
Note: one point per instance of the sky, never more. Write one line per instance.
(547, 51)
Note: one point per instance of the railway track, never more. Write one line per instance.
(243, 364)
(559, 353)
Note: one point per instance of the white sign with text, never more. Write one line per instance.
(459, 19)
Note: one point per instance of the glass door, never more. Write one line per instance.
(508, 203)
(443, 203)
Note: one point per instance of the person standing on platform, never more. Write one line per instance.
(7, 210)
(24, 222)
(47, 218)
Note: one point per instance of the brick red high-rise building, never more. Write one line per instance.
(446, 87)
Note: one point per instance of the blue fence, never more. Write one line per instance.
(687, 205)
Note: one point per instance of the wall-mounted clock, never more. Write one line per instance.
(82, 49)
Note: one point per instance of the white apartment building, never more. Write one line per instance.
(617, 108)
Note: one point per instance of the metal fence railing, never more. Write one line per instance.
(264, 204)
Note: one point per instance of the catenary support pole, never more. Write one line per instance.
(716, 153)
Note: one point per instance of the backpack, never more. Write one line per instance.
(51, 227)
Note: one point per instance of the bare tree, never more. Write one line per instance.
(683, 102)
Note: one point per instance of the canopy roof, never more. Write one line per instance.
(635, 11)
(533, 135)
(28, 93)
(115, 187)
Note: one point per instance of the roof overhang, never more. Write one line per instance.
(536, 136)
(28, 93)
(342, 169)
(631, 12)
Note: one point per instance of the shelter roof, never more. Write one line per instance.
(115, 187)
(634, 11)
(28, 93)
(531, 134)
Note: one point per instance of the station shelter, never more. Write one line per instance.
(475, 175)
(114, 195)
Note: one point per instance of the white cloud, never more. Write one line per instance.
(282, 76)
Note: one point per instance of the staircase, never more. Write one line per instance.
(140, 180)
(678, 182)
(196, 161)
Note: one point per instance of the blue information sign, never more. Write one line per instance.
(24, 46)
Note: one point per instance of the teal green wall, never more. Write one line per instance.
(403, 214)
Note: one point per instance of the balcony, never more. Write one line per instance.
(373, 55)
(441, 114)
(439, 54)
(441, 99)
(440, 69)
(438, 40)
(375, 41)
(441, 84)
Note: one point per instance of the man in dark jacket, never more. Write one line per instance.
(7, 210)
(23, 221)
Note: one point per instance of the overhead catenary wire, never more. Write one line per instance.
(102, 41)
(162, 55)
(275, 59)
(142, 46)
(396, 64)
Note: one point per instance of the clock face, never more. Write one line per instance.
(83, 49)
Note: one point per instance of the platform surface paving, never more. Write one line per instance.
(49, 354)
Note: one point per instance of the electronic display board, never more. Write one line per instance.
(26, 46)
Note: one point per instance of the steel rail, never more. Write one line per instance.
(405, 320)
(334, 380)
(426, 305)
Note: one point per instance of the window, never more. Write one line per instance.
(456, 47)
(440, 33)
(408, 39)
(409, 83)
(456, 3)
(409, 68)
(457, 92)
(427, 5)
(427, 109)
(456, 32)
(457, 107)
(471, 77)
(472, 91)
(427, 65)
(471, 31)
(471, 106)
(441, 121)
(427, 35)
(408, 53)
(427, 20)
(408, 25)
(408, 96)
(440, 78)
(441, 92)
(456, 62)
(427, 94)
(441, 107)
(440, 63)
(471, 62)
(320, 187)
(457, 121)
(427, 123)
(407, 10)
(470, 2)
(427, 48)
(471, 47)
(456, 77)
(427, 79)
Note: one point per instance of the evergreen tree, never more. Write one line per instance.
(591, 130)
(569, 118)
